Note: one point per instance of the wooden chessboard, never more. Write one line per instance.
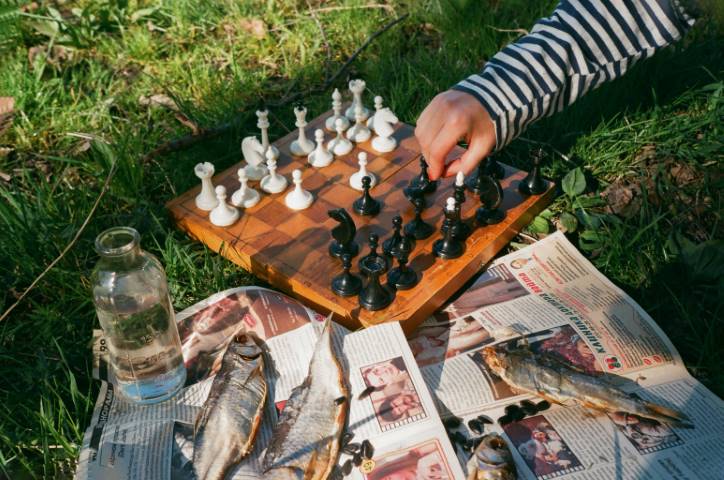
(288, 249)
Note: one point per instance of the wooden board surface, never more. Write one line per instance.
(288, 249)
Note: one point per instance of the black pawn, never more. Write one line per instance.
(366, 205)
(533, 183)
(402, 277)
(450, 246)
(464, 229)
(421, 182)
(389, 246)
(418, 228)
(374, 296)
(492, 168)
(366, 263)
(491, 197)
(345, 284)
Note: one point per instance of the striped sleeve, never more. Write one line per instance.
(583, 44)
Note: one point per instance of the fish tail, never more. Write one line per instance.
(664, 413)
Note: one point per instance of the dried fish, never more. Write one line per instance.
(227, 425)
(306, 442)
(491, 460)
(549, 378)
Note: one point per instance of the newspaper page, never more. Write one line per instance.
(389, 400)
(559, 304)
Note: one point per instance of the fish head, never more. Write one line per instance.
(246, 346)
(496, 359)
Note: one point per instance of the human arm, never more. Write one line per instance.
(583, 44)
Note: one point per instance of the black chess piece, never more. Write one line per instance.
(464, 229)
(343, 234)
(533, 183)
(492, 168)
(366, 205)
(418, 228)
(491, 197)
(346, 284)
(402, 277)
(450, 245)
(421, 182)
(373, 257)
(389, 246)
(473, 181)
(374, 296)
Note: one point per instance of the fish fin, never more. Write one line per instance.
(666, 414)
(550, 399)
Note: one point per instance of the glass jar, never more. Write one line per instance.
(134, 308)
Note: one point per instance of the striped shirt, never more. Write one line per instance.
(583, 44)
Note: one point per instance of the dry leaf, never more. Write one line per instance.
(4, 176)
(622, 199)
(158, 100)
(254, 26)
(7, 109)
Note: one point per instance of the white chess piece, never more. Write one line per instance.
(340, 145)
(378, 107)
(355, 180)
(459, 179)
(359, 132)
(273, 183)
(298, 199)
(357, 87)
(302, 146)
(205, 200)
(320, 157)
(253, 152)
(245, 196)
(382, 124)
(329, 124)
(223, 214)
(263, 124)
(450, 205)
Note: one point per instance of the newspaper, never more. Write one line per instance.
(547, 294)
(552, 297)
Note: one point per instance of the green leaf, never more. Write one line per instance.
(539, 225)
(574, 183)
(143, 13)
(705, 260)
(569, 222)
(590, 240)
(547, 214)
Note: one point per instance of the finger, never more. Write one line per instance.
(480, 147)
(428, 125)
(441, 145)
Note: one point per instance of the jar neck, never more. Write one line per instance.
(119, 246)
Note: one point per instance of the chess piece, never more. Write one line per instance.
(246, 196)
(253, 152)
(533, 183)
(390, 246)
(491, 196)
(298, 199)
(206, 199)
(366, 205)
(421, 182)
(492, 168)
(302, 146)
(355, 180)
(366, 262)
(459, 196)
(320, 157)
(343, 234)
(450, 246)
(330, 123)
(418, 228)
(359, 132)
(345, 284)
(475, 183)
(374, 296)
(273, 182)
(340, 145)
(402, 277)
(223, 214)
(382, 124)
(357, 87)
(263, 125)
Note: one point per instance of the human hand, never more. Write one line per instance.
(449, 117)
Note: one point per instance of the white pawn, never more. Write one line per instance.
(302, 146)
(244, 197)
(205, 200)
(359, 132)
(223, 214)
(378, 107)
(355, 180)
(383, 123)
(459, 179)
(254, 156)
(298, 199)
(340, 145)
(320, 157)
(329, 124)
(273, 183)
(357, 87)
(263, 124)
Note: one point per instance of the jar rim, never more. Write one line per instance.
(117, 241)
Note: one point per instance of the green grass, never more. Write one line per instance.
(87, 79)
